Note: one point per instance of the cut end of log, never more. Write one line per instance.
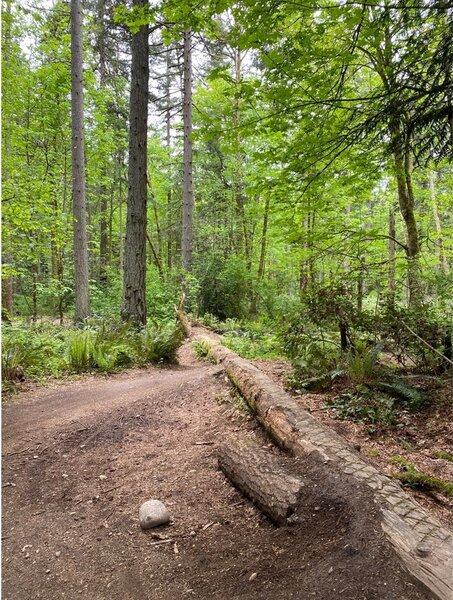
(262, 478)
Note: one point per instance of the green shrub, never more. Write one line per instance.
(224, 286)
(252, 340)
(410, 396)
(31, 351)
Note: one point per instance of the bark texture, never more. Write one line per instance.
(187, 197)
(81, 277)
(443, 265)
(134, 301)
(261, 477)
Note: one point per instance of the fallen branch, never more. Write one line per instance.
(426, 343)
(160, 542)
(203, 443)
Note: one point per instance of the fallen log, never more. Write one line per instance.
(261, 477)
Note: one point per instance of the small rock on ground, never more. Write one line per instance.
(153, 513)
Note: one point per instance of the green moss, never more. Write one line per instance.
(444, 455)
(417, 479)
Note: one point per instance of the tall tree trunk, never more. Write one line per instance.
(82, 304)
(134, 301)
(168, 145)
(7, 282)
(187, 198)
(102, 189)
(443, 265)
(392, 256)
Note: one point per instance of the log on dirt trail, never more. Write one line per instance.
(424, 546)
(182, 317)
(261, 477)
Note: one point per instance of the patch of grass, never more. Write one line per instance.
(444, 455)
(372, 452)
(240, 404)
(417, 479)
(203, 351)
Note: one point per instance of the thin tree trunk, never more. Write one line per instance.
(156, 257)
(82, 305)
(262, 263)
(134, 300)
(188, 199)
(402, 161)
(360, 286)
(392, 256)
(443, 265)
(158, 228)
(238, 181)
(8, 293)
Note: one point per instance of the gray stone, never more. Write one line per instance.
(424, 549)
(153, 513)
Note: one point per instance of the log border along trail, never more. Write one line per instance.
(423, 545)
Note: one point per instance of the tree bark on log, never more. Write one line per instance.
(182, 317)
(261, 477)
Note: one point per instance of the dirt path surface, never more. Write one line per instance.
(78, 460)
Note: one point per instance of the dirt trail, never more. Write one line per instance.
(80, 458)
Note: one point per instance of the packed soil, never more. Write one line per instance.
(416, 436)
(80, 458)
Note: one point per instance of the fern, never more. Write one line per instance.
(410, 395)
(159, 343)
(80, 351)
(203, 351)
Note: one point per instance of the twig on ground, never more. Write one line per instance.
(203, 443)
(17, 452)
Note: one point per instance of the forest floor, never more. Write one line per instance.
(79, 458)
(417, 436)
